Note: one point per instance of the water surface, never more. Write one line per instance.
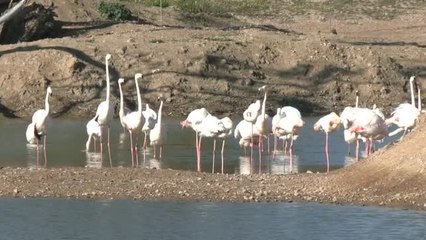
(126, 219)
(67, 138)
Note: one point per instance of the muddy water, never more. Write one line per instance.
(67, 138)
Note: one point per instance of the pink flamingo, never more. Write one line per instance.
(329, 123)
(194, 120)
(133, 123)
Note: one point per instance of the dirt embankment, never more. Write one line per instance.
(216, 67)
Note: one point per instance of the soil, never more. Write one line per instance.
(312, 60)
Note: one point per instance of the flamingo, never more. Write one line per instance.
(263, 125)
(227, 124)
(194, 120)
(158, 134)
(250, 115)
(94, 132)
(405, 115)
(123, 110)
(275, 119)
(105, 112)
(328, 123)
(349, 136)
(244, 132)
(38, 127)
(289, 127)
(213, 127)
(365, 123)
(150, 120)
(133, 123)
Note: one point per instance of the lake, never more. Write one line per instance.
(127, 219)
(67, 138)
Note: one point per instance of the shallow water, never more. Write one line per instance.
(125, 219)
(67, 138)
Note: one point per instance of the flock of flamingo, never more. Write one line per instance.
(256, 126)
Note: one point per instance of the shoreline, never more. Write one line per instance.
(177, 185)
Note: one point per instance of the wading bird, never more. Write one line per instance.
(133, 122)
(38, 127)
(158, 134)
(329, 123)
(104, 113)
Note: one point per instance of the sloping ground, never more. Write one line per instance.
(391, 176)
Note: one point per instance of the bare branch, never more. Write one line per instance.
(11, 12)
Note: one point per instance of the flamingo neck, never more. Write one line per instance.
(264, 105)
(121, 111)
(160, 110)
(412, 93)
(419, 99)
(107, 82)
(46, 103)
(139, 96)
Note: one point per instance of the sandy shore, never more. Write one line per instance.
(147, 184)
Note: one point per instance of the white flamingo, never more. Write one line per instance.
(227, 124)
(329, 123)
(263, 125)
(212, 127)
(289, 128)
(158, 134)
(250, 115)
(133, 122)
(150, 121)
(105, 112)
(123, 111)
(244, 132)
(405, 115)
(194, 120)
(38, 127)
(93, 130)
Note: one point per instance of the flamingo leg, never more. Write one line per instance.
(223, 148)
(131, 148)
(45, 150)
(102, 145)
(357, 150)
(144, 141)
(291, 153)
(137, 149)
(155, 150)
(326, 152)
(269, 145)
(109, 148)
(38, 153)
(260, 153)
(161, 152)
(285, 146)
(251, 146)
(214, 154)
(199, 155)
(196, 147)
(274, 154)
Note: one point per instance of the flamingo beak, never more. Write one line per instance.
(184, 123)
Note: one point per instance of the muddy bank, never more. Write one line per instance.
(212, 68)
